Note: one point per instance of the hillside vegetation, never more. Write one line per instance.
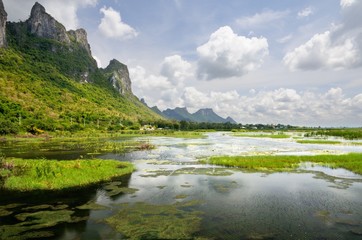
(47, 85)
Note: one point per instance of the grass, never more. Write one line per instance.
(264, 135)
(352, 162)
(318, 142)
(28, 175)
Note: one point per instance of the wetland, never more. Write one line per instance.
(177, 192)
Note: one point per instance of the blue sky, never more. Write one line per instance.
(258, 61)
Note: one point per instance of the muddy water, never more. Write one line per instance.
(171, 196)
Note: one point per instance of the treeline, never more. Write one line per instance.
(350, 134)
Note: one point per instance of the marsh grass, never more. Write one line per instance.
(59, 175)
(352, 162)
(318, 142)
(273, 135)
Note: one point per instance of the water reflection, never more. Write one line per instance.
(171, 195)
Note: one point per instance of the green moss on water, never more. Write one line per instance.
(91, 205)
(318, 142)
(189, 170)
(144, 221)
(115, 188)
(32, 225)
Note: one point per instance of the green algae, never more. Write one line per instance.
(115, 188)
(181, 196)
(32, 224)
(145, 221)
(189, 170)
(91, 205)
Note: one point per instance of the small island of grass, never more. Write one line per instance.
(352, 162)
(31, 175)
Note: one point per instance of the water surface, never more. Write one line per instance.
(172, 196)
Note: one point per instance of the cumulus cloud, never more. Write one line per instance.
(261, 19)
(112, 25)
(287, 106)
(323, 52)
(227, 54)
(336, 49)
(176, 69)
(67, 16)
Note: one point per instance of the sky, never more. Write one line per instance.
(258, 61)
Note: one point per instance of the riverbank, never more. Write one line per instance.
(352, 162)
(34, 174)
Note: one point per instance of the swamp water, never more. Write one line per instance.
(172, 196)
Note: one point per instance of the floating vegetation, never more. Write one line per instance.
(32, 225)
(189, 170)
(145, 221)
(350, 161)
(91, 205)
(224, 187)
(277, 135)
(181, 196)
(115, 188)
(318, 142)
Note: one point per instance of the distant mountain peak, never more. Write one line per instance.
(202, 115)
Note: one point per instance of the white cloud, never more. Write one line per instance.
(67, 15)
(322, 52)
(176, 69)
(112, 25)
(347, 3)
(228, 55)
(285, 38)
(335, 49)
(287, 106)
(261, 19)
(305, 12)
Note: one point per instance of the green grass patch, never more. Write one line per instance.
(263, 135)
(318, 142)
(28, 175)
(352, 162)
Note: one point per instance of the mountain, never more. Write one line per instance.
(50, 81)
(3, 17)
(180, 114)
(202, 115)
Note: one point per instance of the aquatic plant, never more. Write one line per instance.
(57, 175)
(318, 142)
(145, 221)
(352, 161)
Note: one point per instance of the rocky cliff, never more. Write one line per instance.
(44, 25)
(3, 18)
(118, 76)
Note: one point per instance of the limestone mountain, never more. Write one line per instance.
(118, 75)
(202, 115)
(49, 80)
(3, 18)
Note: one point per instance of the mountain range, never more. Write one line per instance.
(49, 81)
(202, 115)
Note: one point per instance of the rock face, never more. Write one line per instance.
(119, 77)
(80, 36)
(3, 18)
(44, 25)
